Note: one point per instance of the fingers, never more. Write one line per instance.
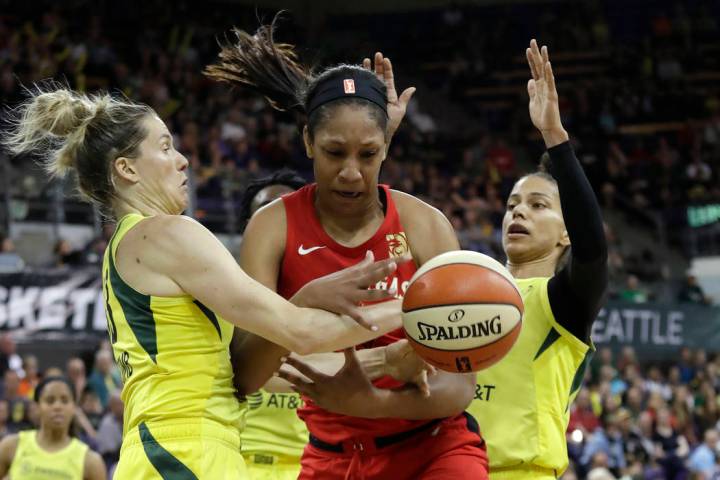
(356, 313)
(351, 360)
(302, 367)
(550, 78)
(369, 275)
(377, 295)
(531, 88)
(423, 385)
(406, 96)
(365, 262)
(379, 65)
(531, 64)
(297, 383)
(366, 64)
(544, 54)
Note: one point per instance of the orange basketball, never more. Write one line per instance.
(462, 311)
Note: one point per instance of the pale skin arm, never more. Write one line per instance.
(349, 391)
(8, 446)
(187, 257)
(94, 467)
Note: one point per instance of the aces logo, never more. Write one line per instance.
(397, 244)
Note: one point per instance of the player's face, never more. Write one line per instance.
(533, 226)
(56, 406)
(159, 174)
(347, 152)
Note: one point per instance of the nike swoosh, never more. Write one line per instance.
(305, 251)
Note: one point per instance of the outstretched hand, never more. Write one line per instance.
(344, 292)
(396, 106)
(348, 392)
(544, 104)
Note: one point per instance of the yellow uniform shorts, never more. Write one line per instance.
(181, 450)
(525, 472)
(272, 467)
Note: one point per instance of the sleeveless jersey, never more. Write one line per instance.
(522, 402)
(31, 462)
(272, 426)
(172, 352)
(311, 253)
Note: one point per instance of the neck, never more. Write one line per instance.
(52, 437)
(142, 204)
(348, 224)
(540, 267)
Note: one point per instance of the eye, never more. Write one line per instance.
(334, 153)
(166, 148)
(510, 206)
(539, 205)
(369, 154)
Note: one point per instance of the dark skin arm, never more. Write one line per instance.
(254, 358)
(8, 446)
(350, 391)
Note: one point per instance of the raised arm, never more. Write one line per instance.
(187, 254)
(577, 290)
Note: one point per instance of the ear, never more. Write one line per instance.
(308, 143)
(564, 239)
(124, 168)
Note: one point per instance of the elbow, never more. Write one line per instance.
(459, 398)
(300, 340)
(466, 393)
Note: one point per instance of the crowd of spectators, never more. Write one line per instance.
(646, 421)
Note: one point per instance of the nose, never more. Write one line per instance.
(183, 162)
(350, 173)
(520, 211)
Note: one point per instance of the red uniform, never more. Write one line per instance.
(359, 447)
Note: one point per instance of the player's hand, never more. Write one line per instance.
(344, 292)
(348, 392)
(403, 364)
(544, 104)
(396, 106)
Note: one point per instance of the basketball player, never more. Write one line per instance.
(51, 451)
(326, 226)
(522, 402)
(172, 291)
(274, 437)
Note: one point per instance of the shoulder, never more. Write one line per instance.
(8, 447)
(168, 233)
(94, 468)
(429, 232)
(270, 223)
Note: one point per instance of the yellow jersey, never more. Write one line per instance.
(272, 427)
(522, 403)
(172, 352)
(34, 463)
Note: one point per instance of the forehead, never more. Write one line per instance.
(350, 123)
(155, 126)
(56, 388)
(534, 184)
(270, 193)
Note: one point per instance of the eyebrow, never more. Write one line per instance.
(164, 136)
(343, 142)
(531, 194)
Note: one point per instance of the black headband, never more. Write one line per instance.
(47, 380)
(347, 86)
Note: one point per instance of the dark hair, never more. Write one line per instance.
(48, 380)
(273, 70)
(543, 172)
(285, 177)
(73, 131)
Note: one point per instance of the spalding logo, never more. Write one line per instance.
(429, 332)
(456, 315)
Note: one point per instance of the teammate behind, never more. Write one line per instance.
(522, 403)
(51, 451)
(324, 227)
(172, 290)
(274, 437)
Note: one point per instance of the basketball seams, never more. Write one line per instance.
(460, 305)
(420, 274)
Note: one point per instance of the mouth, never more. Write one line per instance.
(347, 194)
(515, 230)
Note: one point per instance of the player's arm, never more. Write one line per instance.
(350, 391)
(8, 446)
(94, 467)
(187, 254)
(577, 290)
(255, 358)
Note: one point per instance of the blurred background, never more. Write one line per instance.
(640, 95)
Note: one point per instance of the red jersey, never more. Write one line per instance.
(311, 253)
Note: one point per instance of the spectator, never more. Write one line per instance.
(633, 292)
(607, 440)
(4, 418)
(703, 458)
(692, 292)
(104, 379)
(109, 435)
(671, 448)
(31, 378)
(582, 415)
(91, 407)
(8, 354)
(75, 370)
(18, 404)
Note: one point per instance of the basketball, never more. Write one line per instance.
(462, 311)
